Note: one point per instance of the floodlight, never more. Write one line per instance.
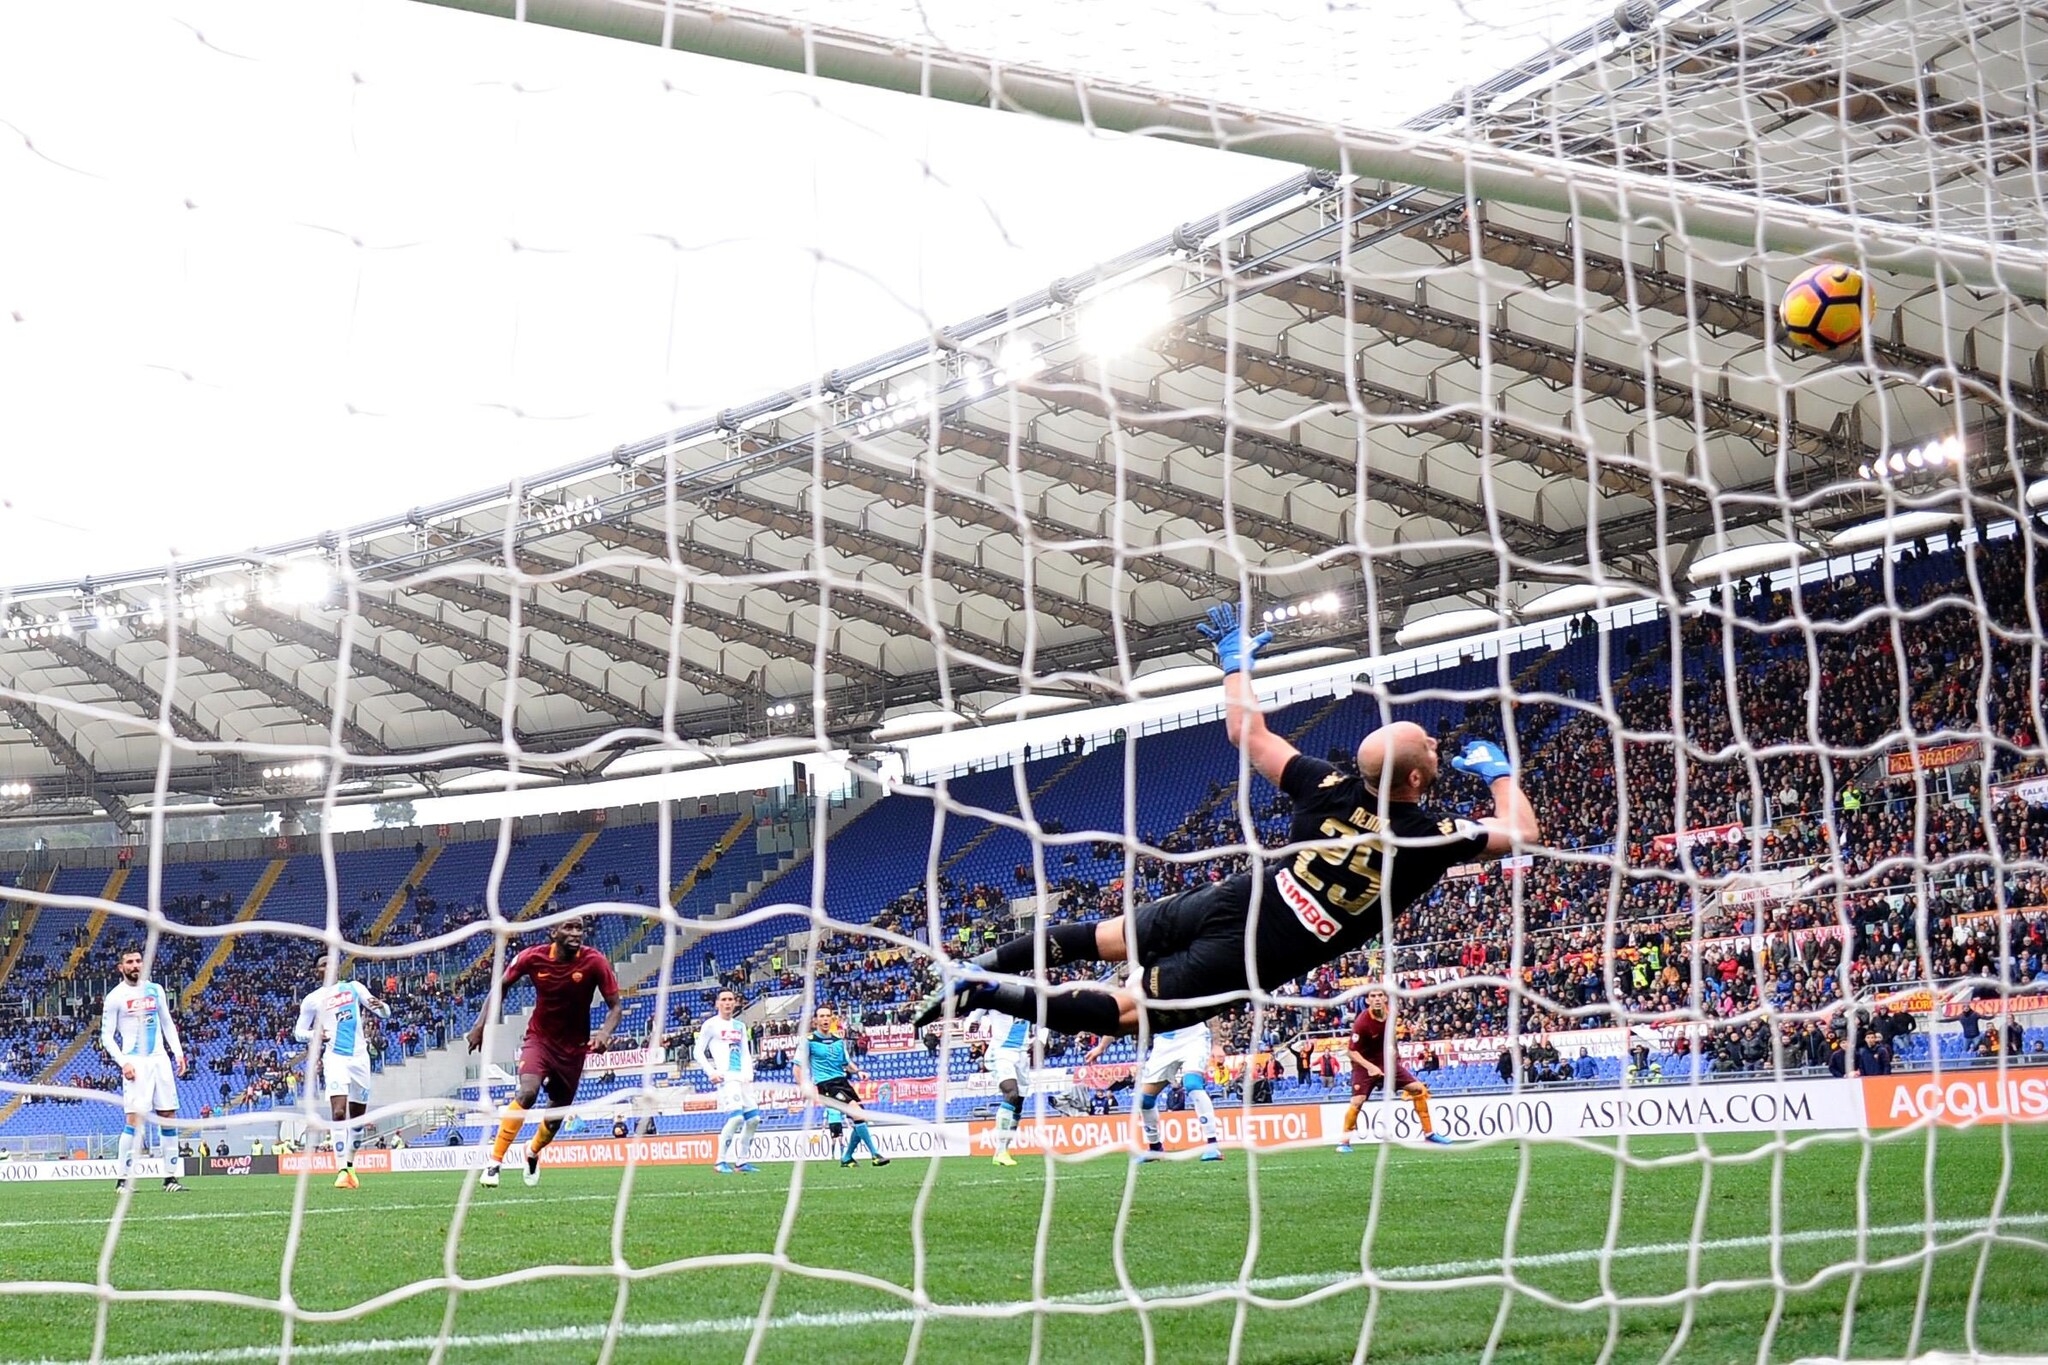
(1018, 359)
(302, 580)
(1124, 320)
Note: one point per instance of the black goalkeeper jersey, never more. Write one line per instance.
(1351, 868)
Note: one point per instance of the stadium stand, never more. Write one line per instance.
(1826, 845)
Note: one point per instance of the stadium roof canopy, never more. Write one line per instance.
(1372, 397)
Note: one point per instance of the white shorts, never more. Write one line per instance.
(348, 1076)
(735, 1097)
(1010, 1064)
(1169, 1062)
(154, 1089)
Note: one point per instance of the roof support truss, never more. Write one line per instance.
(364, 658)
(128, 687)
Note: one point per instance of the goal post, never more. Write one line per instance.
(1490, 425)
(1427, 158)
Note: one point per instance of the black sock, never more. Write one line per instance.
(1063, 943)
(1083, 1011)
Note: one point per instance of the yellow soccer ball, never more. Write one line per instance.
(1824, 309)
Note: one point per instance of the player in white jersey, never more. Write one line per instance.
(138, 1033)
(725, 1053)
(1176, 1055)
(1009, 1061)
(333, 1015)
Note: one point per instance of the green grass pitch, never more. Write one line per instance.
(1437, 1221)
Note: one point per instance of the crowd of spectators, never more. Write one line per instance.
(1852, 883)
(1765, 712)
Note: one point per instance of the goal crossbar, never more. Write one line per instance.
(1435, 161)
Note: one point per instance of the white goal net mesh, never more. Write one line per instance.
(1448, 350)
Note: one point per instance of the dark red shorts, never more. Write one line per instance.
(1363, 1085)
(559, 1068)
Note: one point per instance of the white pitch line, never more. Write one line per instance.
(737, 1185)
(730, 1326)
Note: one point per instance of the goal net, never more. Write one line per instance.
(1448, 351)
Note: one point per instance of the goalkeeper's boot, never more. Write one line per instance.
(346, 1180)
(966, 991)
(532, 1168)
(1212, 1152)
(847, 1161)
(1005, 1159)
(879, 1160)
(172, 1185)
(1438, 1138)
(489, 1178)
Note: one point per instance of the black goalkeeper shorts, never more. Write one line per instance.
(1191, 945)
(839, 1088)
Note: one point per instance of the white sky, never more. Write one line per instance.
(270, 267)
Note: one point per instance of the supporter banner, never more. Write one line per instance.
(1762, 890)
(1453, 1051)
(1990, 916)
(1706, 834)
(2034, 791)
(892, 1038)
(1520, 862)
(1933, 756)
(906, 1090)
(146, 1168)
(1918, 1000)
(1600, 1042)
(2020, 1095)
(627, 1059)
(2027, 1002)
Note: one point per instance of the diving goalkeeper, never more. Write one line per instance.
(1361, 847)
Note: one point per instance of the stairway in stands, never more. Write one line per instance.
(538, 901)
(630, 946)
(251, 905)
(25, 925)
(962, 853)
(97, 921)
(417, 877)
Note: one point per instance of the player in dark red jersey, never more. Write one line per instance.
(1370, 1054)
(1362, 848)
(566, 975)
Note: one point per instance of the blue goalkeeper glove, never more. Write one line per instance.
(1484, 760)
(1234, 649)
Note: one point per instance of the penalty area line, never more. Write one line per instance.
(730, 1326)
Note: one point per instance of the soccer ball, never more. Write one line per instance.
(1823, 309)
